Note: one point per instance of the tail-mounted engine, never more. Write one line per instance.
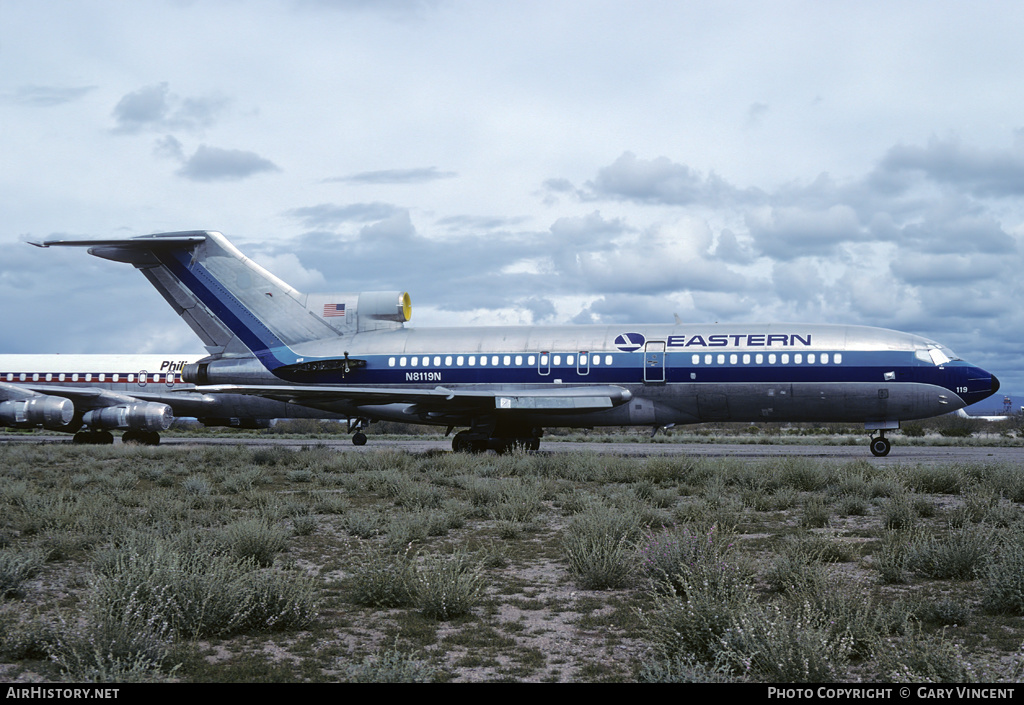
(370, 310)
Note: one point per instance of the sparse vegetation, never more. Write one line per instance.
(204, 563)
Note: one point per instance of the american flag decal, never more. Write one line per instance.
(334, 310)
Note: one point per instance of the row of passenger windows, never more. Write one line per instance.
(773, 358)
(587, 359)
(546, 359)
(85, 377)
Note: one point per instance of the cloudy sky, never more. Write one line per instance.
(525, 162)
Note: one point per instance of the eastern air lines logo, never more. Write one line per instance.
(630, 342)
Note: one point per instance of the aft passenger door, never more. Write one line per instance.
(654, 362)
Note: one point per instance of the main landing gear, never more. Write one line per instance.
(880, 445)
(142, 438)
(106, 438)
(93, 438)
(478, 441)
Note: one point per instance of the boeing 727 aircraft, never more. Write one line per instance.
(352, 355)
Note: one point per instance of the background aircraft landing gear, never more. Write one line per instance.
(359, 438)
(880, 445)
(96, 438)
(143, 438)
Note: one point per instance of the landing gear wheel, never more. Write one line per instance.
(462, 442)
(142, 438)
(95, 438)
(880, 447)
(359, 439)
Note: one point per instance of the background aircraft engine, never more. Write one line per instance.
(50, 412)
(142, 416)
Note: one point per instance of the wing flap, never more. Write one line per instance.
(441, 398)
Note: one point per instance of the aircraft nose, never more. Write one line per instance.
(995, 384)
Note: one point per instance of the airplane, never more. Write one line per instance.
(351, 354)
(91, 395)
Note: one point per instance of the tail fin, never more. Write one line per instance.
(232, 303)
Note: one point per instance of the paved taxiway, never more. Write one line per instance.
(901, 454)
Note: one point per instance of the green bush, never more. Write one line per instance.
(382, 578)
(1003, 591)
(785, 644)
(16, 567)
(598, 547)
(199, 592)
(446, 587)
(255, 539)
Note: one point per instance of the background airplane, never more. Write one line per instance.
(350, 354)
(92, 395)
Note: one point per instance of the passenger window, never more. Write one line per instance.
(798, 358)
(391, 363)
(507, 360)
(519, 360)
(721, 359)
(759, 358)
(448, 361)
(472, 360)
(733, 359)
(838, 357)
(695, 359)
(607, 359)
(785, 358)
(558, 360)
(531, 360)
(415, 362)
(459, 360)
(746, 359)
(771, 359)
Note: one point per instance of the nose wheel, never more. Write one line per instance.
(880, 446)
(355, 427)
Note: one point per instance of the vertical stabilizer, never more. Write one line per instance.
(236, 306)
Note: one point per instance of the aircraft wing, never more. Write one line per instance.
(83, 397)
(439, 399)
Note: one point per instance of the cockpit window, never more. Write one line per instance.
(936, 354)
